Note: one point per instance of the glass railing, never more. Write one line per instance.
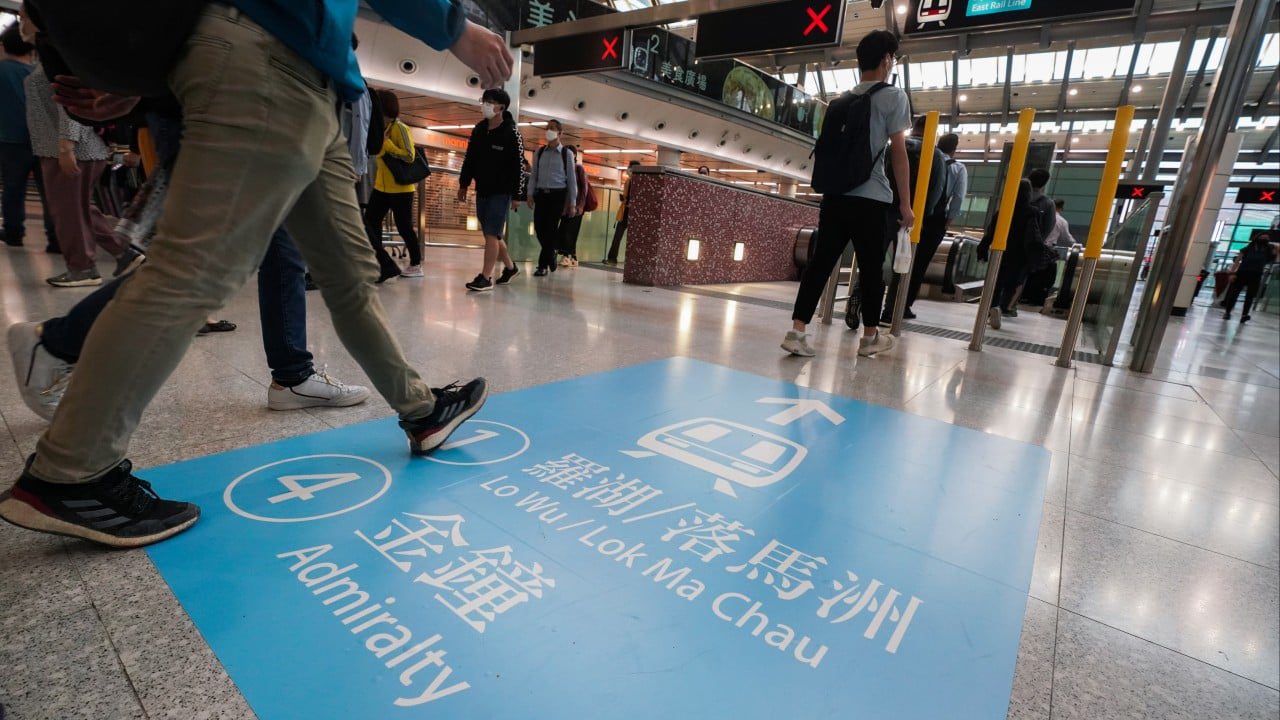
(1113, 283)
(593, 240)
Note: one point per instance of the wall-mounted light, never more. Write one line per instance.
(738, 250)
(695, 249)
(473, 223)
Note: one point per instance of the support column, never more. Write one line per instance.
(1169, 103)
(1187, 209)
(668, 157)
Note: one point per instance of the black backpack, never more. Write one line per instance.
(843, 157)
(937, 180)
(127, 48)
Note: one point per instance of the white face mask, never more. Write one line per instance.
(552, 135)
(488, 110)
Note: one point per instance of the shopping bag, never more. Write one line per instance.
(902, 252)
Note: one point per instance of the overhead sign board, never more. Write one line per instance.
(777, 27)
(1258, 195)
(706, 548)
(580, 54)
(950, 16)
(1137, 191)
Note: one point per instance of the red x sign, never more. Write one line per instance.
(1267, 196)
(610, 48)
(1138, 192)
(816, 19)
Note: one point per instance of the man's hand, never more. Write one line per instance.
(485, 52)
(462, 194)
(530, 202)
(908, 216)
(71, 93)
(67, 162)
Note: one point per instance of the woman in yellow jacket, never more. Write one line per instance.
(388, 195)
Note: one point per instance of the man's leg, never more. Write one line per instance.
(62, 197)
(932, 232)
(254, 138)
(50, 232)
(325, 222)
(64, 336)
(545, 212)
(616, 245)
(282, 307)
(15, 166)
(833, 238)
(1252, 284)
(374, 215)
(870, 241)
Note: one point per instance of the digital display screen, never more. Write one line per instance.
(590, 52)
(1137, 191)
(952, 16)
(1258, 196)
(789, 25)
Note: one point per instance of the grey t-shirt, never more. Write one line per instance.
(890, 114)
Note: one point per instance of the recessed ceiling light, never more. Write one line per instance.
(902, 9)
(1137, 88)
(1075, 140)
(1073, 91)
(963, 97)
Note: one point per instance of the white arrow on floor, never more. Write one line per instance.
(319, 482)
(480, 436)
(799, 408)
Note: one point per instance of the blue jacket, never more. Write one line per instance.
(320, 30)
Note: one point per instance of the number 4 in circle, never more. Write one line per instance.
(317, 483)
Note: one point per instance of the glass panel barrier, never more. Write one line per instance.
(593, 240)
(1109, 298)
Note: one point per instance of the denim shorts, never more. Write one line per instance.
(491, 210)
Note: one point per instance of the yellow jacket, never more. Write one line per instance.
(396, 143)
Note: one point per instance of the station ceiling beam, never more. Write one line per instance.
(1268, 94)
(1066, 79)
(1194, 92)
(1033, 36)
(646, 17)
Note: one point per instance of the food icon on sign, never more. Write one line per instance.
(734, 453)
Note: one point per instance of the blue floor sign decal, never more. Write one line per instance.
(673, 539)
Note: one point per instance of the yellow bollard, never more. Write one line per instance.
(1012, 178)
(917, 207)
(1097, 231)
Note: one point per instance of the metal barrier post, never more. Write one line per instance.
(1097, 231)
(1017, 161)
(917, 207)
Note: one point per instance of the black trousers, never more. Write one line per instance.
(17, 164)
(548, 215)
(841, 220)
(1250, 283)
(618, 230)
(932, 231)
(570, 228)
(1013, 273)
(400, 205)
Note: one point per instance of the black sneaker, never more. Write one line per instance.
(540, 272)
(480, 284)
(117, 509)
(454, 404)
(128, 261)
(1245, 318)
(908, 315)
(507, 274)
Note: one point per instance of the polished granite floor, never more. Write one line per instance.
(1155, 592)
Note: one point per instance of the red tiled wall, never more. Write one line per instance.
(667, 209)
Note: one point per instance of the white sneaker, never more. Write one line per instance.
(993, 318)
(566, 261)
(797, 343)
(876, 344)
(319, 390)
(42, 378)
(413, 271)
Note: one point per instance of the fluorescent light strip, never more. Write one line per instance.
(606, 151)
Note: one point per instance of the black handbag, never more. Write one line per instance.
(408, 172)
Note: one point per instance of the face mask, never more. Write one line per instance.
(552, 135)
(488, 111)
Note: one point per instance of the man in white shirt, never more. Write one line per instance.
(863, 215)
(1061, 234)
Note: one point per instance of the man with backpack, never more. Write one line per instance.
(933, 223)
(493, 160)
(861, 127)
(259, 82)
(553, 194)
(1025, 252)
